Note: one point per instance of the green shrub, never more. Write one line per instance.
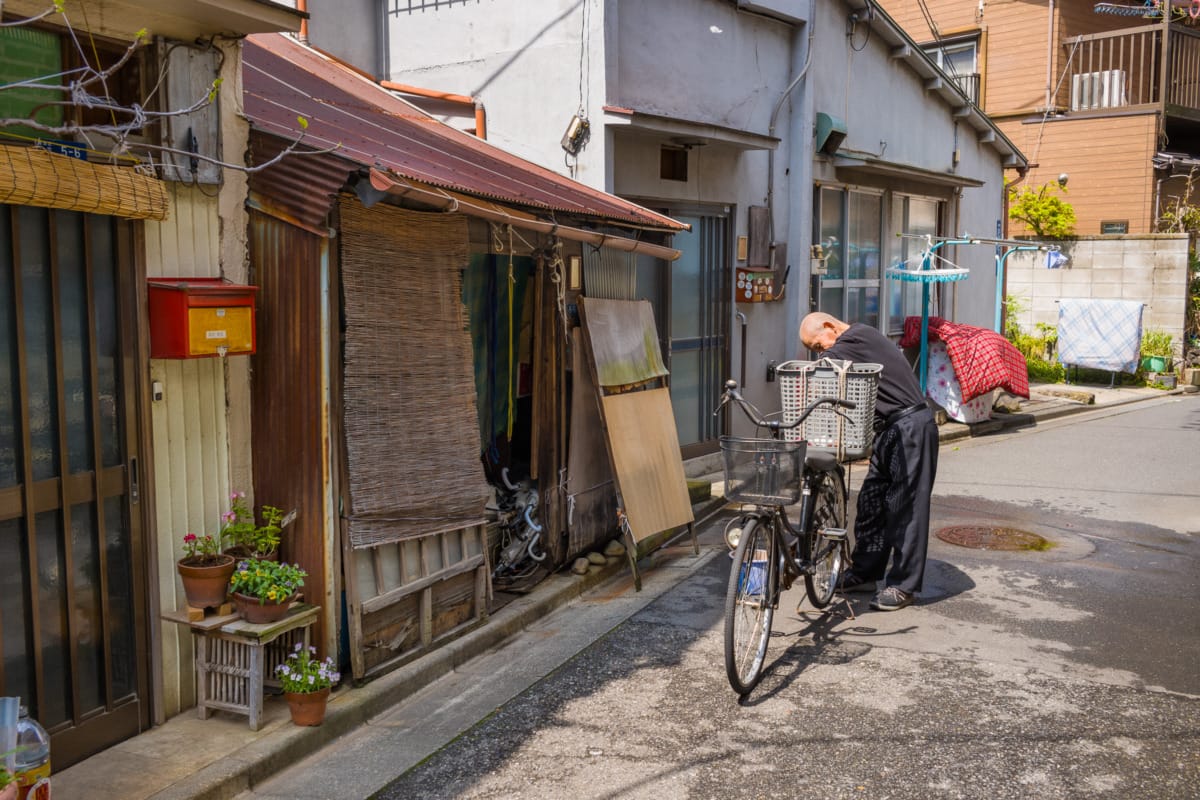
(1045, 371)
(1157, 343)
(1042, 211)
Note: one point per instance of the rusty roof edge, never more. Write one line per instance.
(621, 217)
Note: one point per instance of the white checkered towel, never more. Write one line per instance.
(1100, 334)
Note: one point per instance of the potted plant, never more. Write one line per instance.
(263, 589)
(306, 683)
(1157, 350)
(204, 571)
(243, 536)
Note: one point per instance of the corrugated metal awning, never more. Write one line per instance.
(372, 127)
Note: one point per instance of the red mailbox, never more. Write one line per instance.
(200, 318)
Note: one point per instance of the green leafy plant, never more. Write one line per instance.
(243, 531)
(202, 551)
(1042, 210)
(302, 673)
(1157, 343)
(6, 777)
(269, 581)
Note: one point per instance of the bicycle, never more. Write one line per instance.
(768, 552)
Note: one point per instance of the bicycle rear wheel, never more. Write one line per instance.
(826, 555)
(748, 612)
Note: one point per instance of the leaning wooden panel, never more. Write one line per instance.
(645, 455)
(624, 341)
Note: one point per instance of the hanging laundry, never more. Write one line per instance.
(1056, 259)
(1100, 334)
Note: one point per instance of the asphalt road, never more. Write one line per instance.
(1064, 673)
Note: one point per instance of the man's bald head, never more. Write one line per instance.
(818, 331)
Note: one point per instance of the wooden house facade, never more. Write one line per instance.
(418, 293)
(1106, 104)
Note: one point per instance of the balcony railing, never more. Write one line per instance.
(1121, 69)
(969, 84)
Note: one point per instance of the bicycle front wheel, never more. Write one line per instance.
(826, 555)
(748, 611)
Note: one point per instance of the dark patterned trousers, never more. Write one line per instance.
(893, 503)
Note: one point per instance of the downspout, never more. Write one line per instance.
(812, 30)
(461, 99)
(1165, 60)
(302, 7)
(1049, 54)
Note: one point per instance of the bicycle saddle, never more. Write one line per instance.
(820, 461)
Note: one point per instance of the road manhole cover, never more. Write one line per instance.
(991, 537)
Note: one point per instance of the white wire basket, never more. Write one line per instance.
(850, 437)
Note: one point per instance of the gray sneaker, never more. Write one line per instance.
(891, 599)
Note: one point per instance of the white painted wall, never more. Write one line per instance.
(525, 67)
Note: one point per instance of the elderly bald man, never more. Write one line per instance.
(893, 502)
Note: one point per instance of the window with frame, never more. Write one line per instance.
(917, 216)
(47, 59)
(851, 231)
(959, 59)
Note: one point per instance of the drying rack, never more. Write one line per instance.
(929, 272)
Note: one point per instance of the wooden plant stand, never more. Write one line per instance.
(195, 614)
(236, 659)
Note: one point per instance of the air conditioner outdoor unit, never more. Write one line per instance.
(1103, 89)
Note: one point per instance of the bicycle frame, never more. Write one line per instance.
(777, 522)
(811, 482)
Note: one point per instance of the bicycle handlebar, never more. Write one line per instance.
(732, 393)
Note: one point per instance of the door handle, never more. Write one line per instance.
(133, 480)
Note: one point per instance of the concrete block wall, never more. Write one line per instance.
(1149, 268)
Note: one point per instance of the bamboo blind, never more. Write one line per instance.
(31, 176)
(412, 433)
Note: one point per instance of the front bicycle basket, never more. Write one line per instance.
(802, 382)
(764, 472)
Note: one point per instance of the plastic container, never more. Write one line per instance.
(850, 434)
(32, 757)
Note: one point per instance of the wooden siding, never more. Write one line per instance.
(1014, 50)
(1107, 159)
(190, 455)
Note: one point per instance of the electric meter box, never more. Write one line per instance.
(200, 318)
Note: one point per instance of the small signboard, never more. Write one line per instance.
(1114, 226)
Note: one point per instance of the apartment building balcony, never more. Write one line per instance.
(1123, 70)
(969, 84)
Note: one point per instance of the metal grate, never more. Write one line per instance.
(409, 6)
(992, 537)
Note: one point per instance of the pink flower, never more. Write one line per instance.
(229, 516)
(191, 537)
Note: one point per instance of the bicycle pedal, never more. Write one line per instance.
(834, 533)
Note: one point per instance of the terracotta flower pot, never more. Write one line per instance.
(252, 610)
(206, 586)
(9, 792)
(308, 708)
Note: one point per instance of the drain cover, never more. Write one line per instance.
(991, 537)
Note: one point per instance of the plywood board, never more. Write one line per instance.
(645, 455)
(624, 341)
(590, 483)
